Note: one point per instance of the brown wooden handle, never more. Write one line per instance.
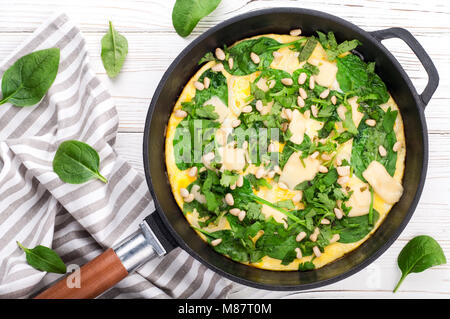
(96, 276)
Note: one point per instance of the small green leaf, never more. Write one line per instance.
(44, 259)
(187, 13)
(76, 162)
(114, 51)
(419, 254)
(27, 81)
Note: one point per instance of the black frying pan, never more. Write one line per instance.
(168, 224)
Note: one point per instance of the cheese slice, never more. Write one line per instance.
(360, 199)
(288, 61)
(327, 73)
(297, 127)
(389, 189)
(356, 115)
(295, 173)
(219, 107)
(232, 158)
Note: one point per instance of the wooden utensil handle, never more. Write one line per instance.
(96, 276)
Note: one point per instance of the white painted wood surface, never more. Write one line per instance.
(153, 45)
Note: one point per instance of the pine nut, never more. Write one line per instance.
(311, 82)
(289, 114)
(229, 199)
(233, 187)
(339, 214)
(235, 123)
(245, 145)
(298, 253)
(343, 180)
(323, 169)
(259, 105)
(199, 86)
(184, 192)
(284, 126)
(302, 78)
(287, 81)
(277, 169)
(326, 157)
(382, 151)
(314, 110)
(341, 110)
(203, 169)
(297, 197)
(397, 146)
(216, 242)
(300, 101)
(277, 54)
(241, 215)
(220, 55)
(324, 94)
(314, 155)
(335, 238)
(247, 109)
(300, 236)
(189, 198)
(343, 170)
(295, 32)
(282, 185)
(371, 122)
(338, 161)
(316, 251)
(259, 172)
(234, 211)
(271, 174)
(307, 114)
(325, 221)
(271, 148)
(206, 82)
(271, 83)
(217, 67)
(334, 100)
(303, 93)
(208, 157)
(193, 171)
(240, 181)
(255, 58)
(230, 63)
(180, 113)
(314, 235)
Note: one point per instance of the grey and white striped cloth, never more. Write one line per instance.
(78, 221)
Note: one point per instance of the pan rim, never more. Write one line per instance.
(419, 105)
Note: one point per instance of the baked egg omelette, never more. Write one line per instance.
(285, 152)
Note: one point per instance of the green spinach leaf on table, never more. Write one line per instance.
(419, 254)
(114, 51)
(27, 81)
(187, 13)
(76, 162)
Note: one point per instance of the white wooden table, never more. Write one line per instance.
(153, 44)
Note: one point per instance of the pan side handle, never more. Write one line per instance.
(419, 51)
(96, 276)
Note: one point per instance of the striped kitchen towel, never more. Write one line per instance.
(77, 221)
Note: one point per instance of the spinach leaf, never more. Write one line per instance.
(76, 162)
(353, 229)
(187, 13)
(114, 51)
(368, 139)
(357, 77)
(44, 259)
(218, 87)
(308, 49)
(419, 254)
(27, 81)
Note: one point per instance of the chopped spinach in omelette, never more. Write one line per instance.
(285, 152)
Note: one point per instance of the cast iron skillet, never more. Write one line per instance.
(412, 105)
